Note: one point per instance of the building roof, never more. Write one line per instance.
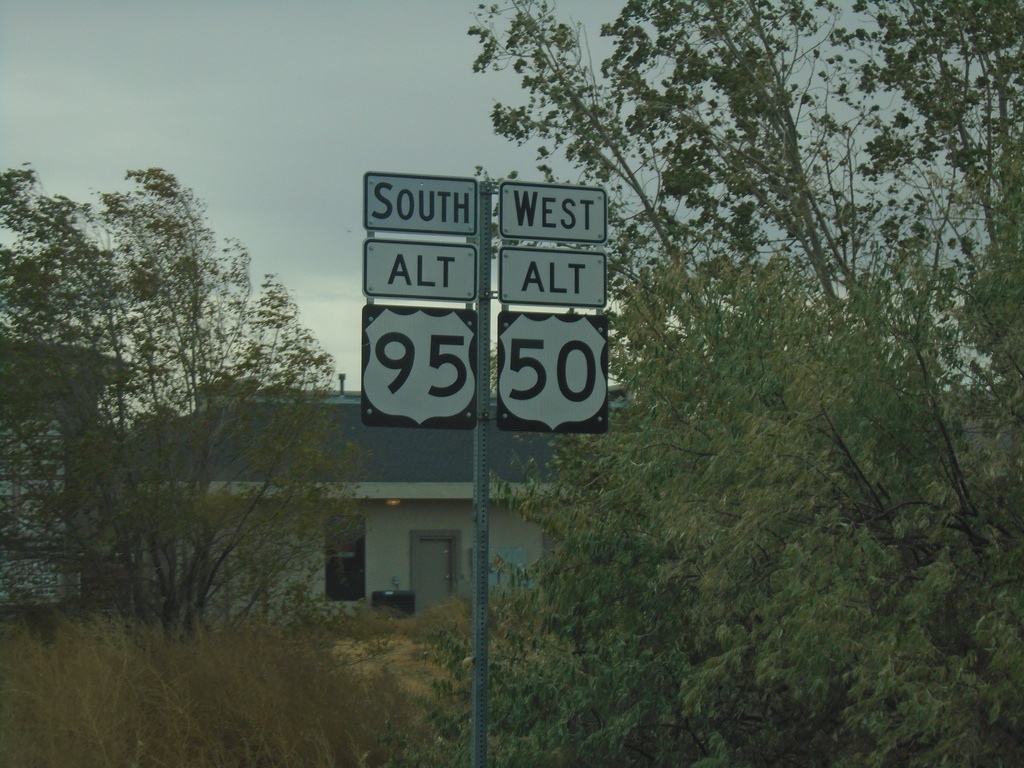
(411, 455)
(389, 461)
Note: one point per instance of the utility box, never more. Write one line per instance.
(399, 600)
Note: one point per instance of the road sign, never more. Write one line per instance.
(419, 367)
(552, 212)
(555, 277)
(552, 372)
(438, 205)
(406, 269)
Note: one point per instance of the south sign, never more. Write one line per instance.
(554, 277)
(553, 212)
(436, 205)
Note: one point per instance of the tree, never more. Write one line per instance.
(756, 127)
(798, 543)
(192, 468)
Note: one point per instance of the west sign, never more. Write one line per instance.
(553, 212)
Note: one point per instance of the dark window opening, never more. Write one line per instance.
(345, 574)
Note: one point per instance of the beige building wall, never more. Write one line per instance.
(392, 521)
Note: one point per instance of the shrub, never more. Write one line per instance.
(98, 693)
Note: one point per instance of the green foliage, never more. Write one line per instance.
(799, 543)
(744, 129)
(176, 409)
(792, 548)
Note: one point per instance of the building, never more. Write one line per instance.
(48, 402)
(414, 490)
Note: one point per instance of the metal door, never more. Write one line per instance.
(433, 568)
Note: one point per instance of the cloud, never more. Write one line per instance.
(271, 111)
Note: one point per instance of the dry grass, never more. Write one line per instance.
(400, 646)
(96, 694)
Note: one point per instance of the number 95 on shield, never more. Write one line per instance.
(419, 367)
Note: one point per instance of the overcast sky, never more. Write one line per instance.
(271, 111)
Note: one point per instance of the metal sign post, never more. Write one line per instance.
(482, 486)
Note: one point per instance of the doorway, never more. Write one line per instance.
(433, 566)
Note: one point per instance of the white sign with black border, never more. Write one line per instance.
(435, 205)
(552, 276)
(419, 367)
(409, 269)
(562, 213)
(552, 372)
